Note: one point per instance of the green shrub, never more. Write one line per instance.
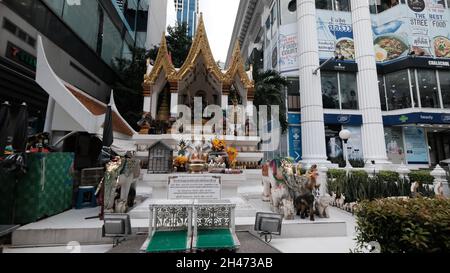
(357, 163)
(360, 174)
(336, 173)
(421, 176)
(405, 226)
(388, 176)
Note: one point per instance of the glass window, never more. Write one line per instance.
(330, 90)
(429, 93)
(382, 91)
(293, 94)
(373, 6)
(349, 94)
(112, 42)
(84, 20)
(398, 90)
(342, 5)
(444, 77)
(324, 4)
(287, 17)
(383, 5)
(56, 5)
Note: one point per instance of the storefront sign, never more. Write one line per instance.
(414, 118)
(20, 56)
(413, 62)
(356, 120)
(416, 145)
(343, 119)
(295, 142)
(195, 187)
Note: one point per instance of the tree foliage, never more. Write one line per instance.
(269, 86)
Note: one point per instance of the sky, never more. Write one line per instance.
(219, 17)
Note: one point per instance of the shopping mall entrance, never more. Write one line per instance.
(439, 143)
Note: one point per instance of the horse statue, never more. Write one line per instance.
(279, 189)
(309, 192)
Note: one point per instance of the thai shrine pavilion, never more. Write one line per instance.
(165, 88)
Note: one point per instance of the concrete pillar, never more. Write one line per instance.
(313, 129)
(374, 145)
(173, 99)
(147, 99)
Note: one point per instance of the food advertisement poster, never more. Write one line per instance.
(419, 26)
(288, 48)
(335, 34)
(394, 144)
(354, 144)
(416, 145)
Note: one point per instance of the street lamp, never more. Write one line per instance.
(345, 135)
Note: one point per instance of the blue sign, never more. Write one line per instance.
(414, 118)
(295, 142)
(294, 119)
(355, 120)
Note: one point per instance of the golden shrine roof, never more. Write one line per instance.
(200, 47)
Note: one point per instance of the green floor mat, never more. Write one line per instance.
(215, 239)
(168, 241)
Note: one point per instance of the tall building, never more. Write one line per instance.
(135, 16)
(157, 21)
(379, 68)
(82, 41)
(187, 12)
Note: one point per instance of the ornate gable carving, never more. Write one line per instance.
(162, 63)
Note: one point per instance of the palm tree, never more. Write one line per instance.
(269, 86)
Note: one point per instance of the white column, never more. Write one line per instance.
(313, 128)
(374, 145)
(224, 102)
(174, 104)
(147, 104)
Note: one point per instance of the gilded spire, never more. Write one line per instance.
(162, 62)
(237, 67)
(200, 46)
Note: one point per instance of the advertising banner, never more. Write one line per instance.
(288, 48)
(335, 34)
(354, 144)
(416, 145)
(394, 144)
(420, 26)
(295, 143)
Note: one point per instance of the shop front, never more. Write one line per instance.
(417, 138)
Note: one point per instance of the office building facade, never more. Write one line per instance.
(378, 68)
(82, 39)
(187, 12)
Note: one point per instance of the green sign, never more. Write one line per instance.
(20, 56)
